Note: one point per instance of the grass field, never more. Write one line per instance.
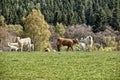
(60, 66)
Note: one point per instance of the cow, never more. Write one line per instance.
(66, 42)
(88, 42)
(81, 46)
(13, 46)
(24, 42)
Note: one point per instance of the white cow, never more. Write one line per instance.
(87, 43)
(24, 42)
(13, 46)
(81, 46)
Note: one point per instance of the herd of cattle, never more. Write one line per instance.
(19, 45)
(83, 44)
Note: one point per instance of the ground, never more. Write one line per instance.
(97, 65)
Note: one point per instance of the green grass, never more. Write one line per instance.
(60, 65)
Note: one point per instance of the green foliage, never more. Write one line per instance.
(110, 41)
(37, 28)
(59, 65)
(97, 47)
(116, 19)
(16, 29)
(100, 22)
(2, 19)
(109, 49)
(60, 29)
(97, 13)
(14, 10)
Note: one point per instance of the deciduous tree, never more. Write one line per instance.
(37, 28)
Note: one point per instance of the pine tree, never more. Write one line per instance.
(116, 19)
(100, 22)
(37, 28)
(89, 13)
(115, 23)
(68, 12)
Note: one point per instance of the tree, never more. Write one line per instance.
(16, 29)
(100, 22)
(68, 12)
(89, 13)
(59, 28)
(116, 19)
(3, 36)
(37, 28)
(115, 23)
(81, 12)
(2, 20)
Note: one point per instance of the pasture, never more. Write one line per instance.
(97, 65)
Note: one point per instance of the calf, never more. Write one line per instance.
(12, 47)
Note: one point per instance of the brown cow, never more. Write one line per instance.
(66, 42)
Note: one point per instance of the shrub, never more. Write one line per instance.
(60, 29)
(15, 29)
(110, 41)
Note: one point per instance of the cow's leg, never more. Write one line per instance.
(21, 49)
(28, 47)
(89, 48)
(72, 48)
(67, 48)
(58, 47)
(16, 50)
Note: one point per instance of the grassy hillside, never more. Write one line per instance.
(60, 66)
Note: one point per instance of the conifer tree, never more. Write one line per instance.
(116, 19)
(115, 23)
(100, 22)
(68, 12)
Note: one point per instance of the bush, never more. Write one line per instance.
(78, 31)
(15, 29)
(4, 37)
(110, 41)
(60, 29)
(97, 46)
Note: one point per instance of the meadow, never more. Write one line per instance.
(96, 65)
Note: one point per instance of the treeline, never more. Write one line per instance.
(97, 13)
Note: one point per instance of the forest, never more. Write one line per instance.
(97, 13)
(46, 20)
